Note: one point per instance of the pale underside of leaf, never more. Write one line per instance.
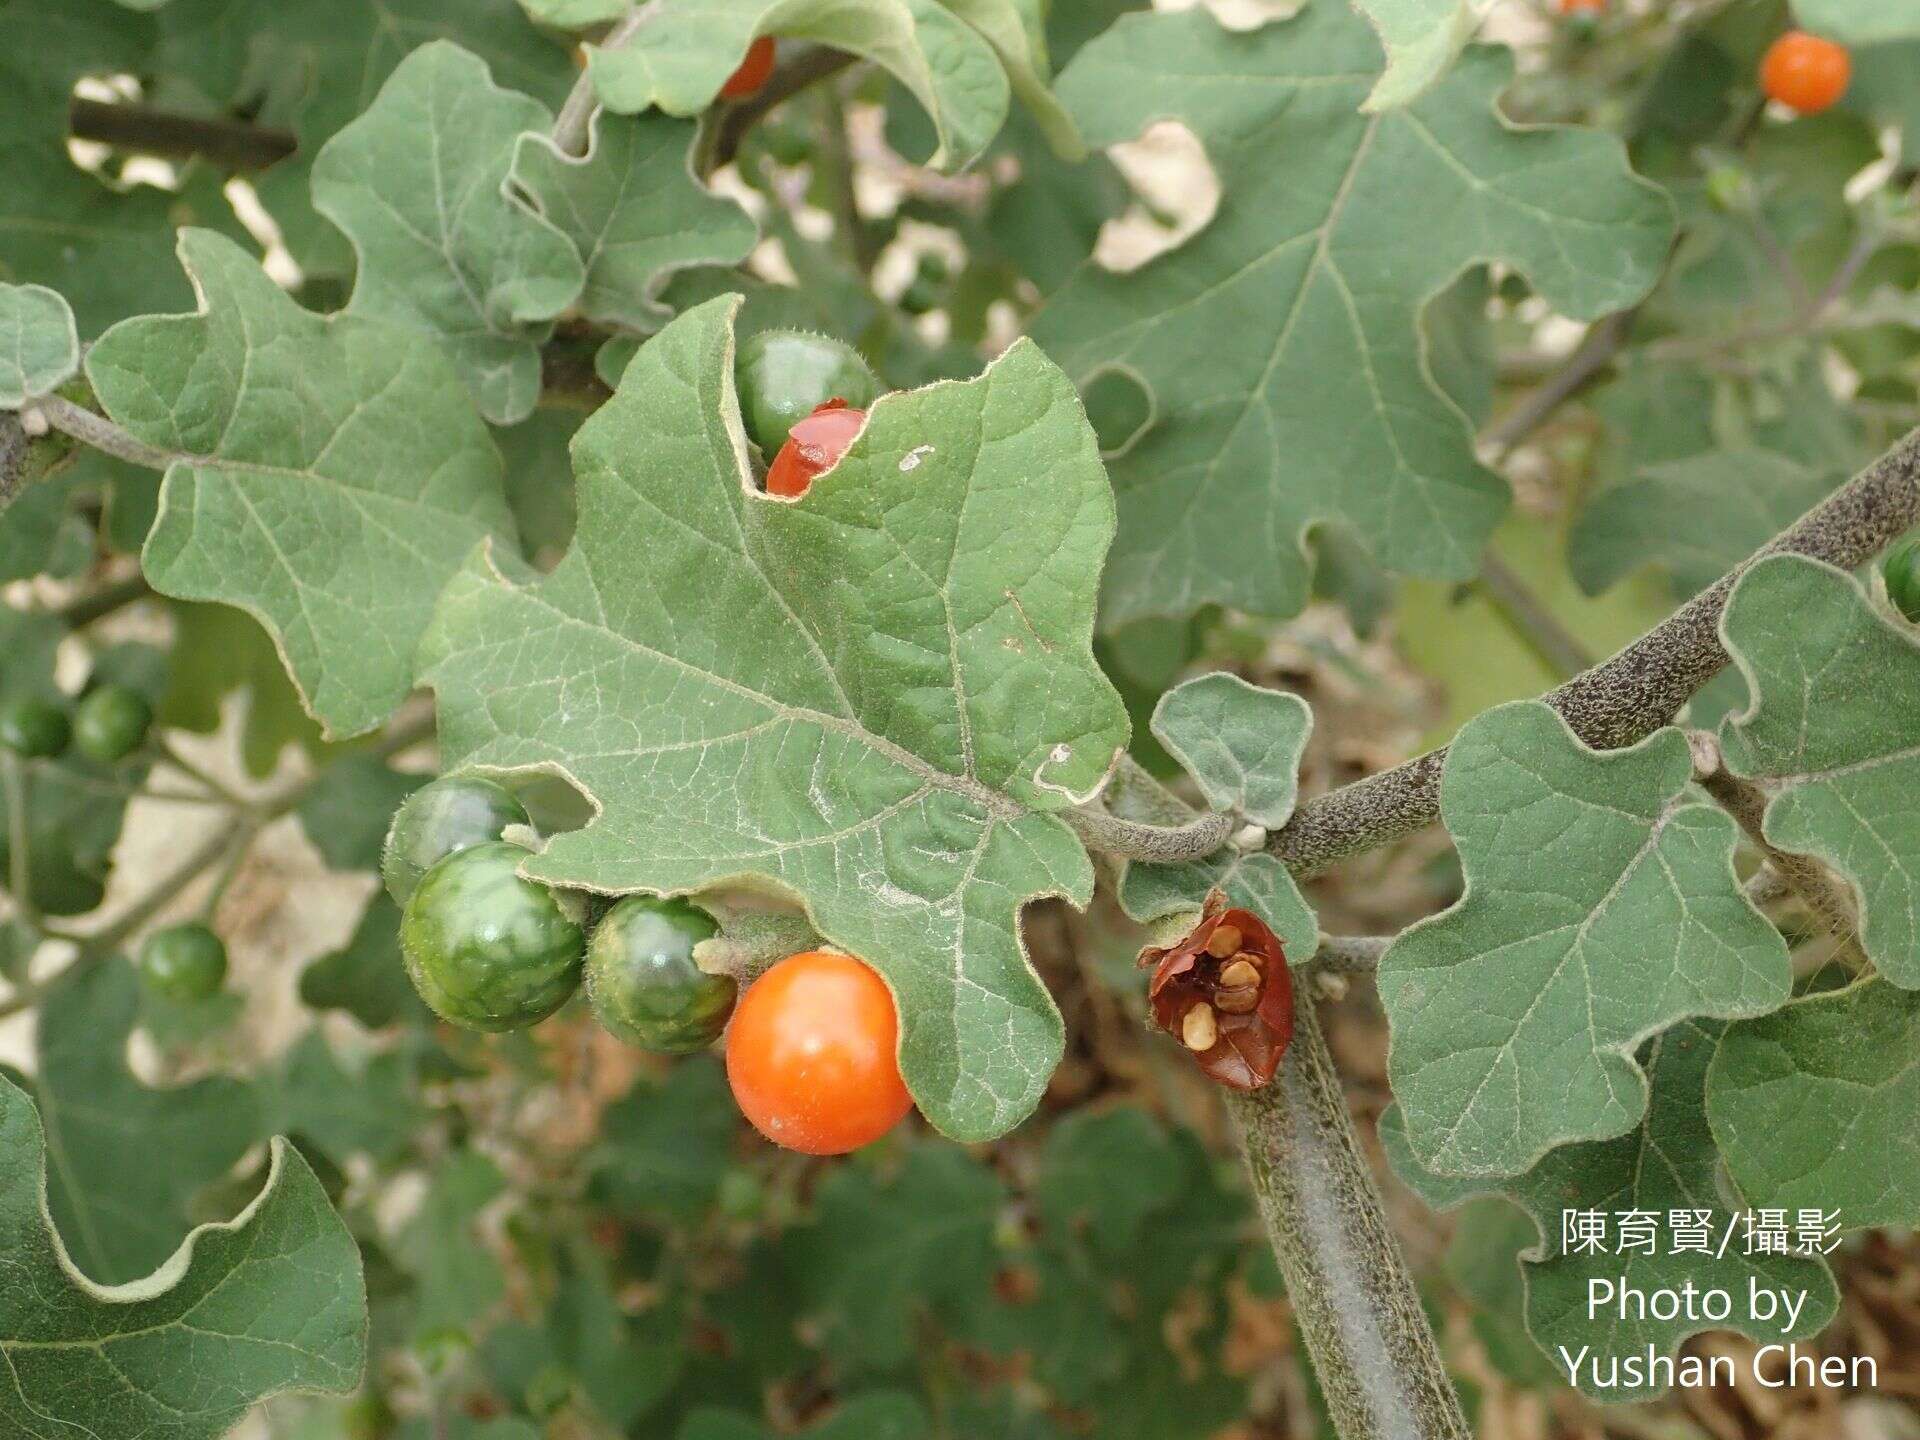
(1601, 906)
(1832, 733)
(1281, 347)
(866, 699)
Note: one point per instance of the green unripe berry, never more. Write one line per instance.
(441, 819)
(643, 982)
(783, 375)
(1901, 571)
(34, 728)
(486, 948)
(184, 962)
(110, 723)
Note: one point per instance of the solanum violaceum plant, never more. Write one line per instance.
(776, 583)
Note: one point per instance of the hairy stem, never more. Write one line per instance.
(27, 459)
(572, 125)
(101, 433)
(1350, 954)
(1154, 844)
(1746, 802)
(1373, 1351)
(1629, 696)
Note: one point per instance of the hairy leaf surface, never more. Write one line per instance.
(1601, 906)
(328, 474)
(1832, 735)
(270, 1301)
(1667, 1163)
(39, 347)
(868, 698)
(418, 184)
(1281, 347)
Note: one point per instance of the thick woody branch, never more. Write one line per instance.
(1626, 698)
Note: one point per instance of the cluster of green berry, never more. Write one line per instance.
(108, 725)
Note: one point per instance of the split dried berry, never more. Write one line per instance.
(754, 71)
(814, 446)
(1224, 990)
(1806, 73)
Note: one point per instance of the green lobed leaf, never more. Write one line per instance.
(1601, 906)
(1666, 1163)
(270, 1301)
(633, 210)
(1832, 734)
(1082, 1156)
(418, 183)
(678, 61)
(1818, 1105)
(1858, 22)
(1695, 518)
(39, 347)
(1422, 38)
(1281, 346)
(129, 1161)
(1241, 742)
(329, 474)
(873, 708)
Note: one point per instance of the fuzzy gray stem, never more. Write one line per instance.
(1626, 698)
(1372, 1349)
(570, 126)
(1154, 844)
(1746, 802)
(1350, 954)
(101, 433)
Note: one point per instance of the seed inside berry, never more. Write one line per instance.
(1242, 972)
(1238, 1002)
(1198, 1029)
(1224, 941)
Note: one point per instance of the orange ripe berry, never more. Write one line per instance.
(811, 1055)
(1583, 7)
(1804, 72)
(814, 446)
(753, 71)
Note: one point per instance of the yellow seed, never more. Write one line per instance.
(1238, 1002)
(1224, 941)
(1198, 1029)
(1241, 972)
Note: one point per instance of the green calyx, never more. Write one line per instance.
(1901, 571)
(782, 375)
(441, 819)
(643, 982)
(486, 948)
(34, 729)
(110, 723)
(184, 962)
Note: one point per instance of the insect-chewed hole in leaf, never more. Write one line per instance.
(554, 804)
(1225, 993)
(1120, 409)
(1178, 193)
